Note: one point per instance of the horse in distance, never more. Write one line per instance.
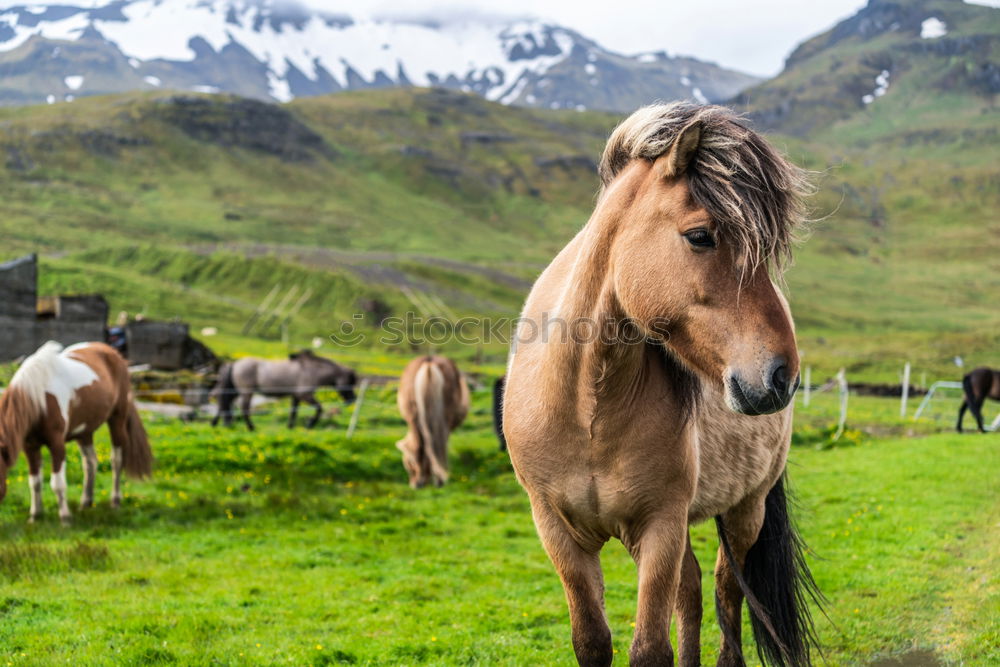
(498, 411)
(649, 388)
(978, 385)
(434, 400)
(299, 377)
(61, 395)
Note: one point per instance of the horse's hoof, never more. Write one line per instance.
(66, 520)
(86, 503)
(116, 503)
(35, 518)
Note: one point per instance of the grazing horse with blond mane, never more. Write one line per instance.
(649, 389)
(59, 395)
(434, 400)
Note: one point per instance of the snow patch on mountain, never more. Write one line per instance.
(881, 87)
(174, 30)
(278, 49)
(933, 28)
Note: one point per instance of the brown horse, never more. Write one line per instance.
(59, 395)
(979, 385)
(648, 385)
(434, 400)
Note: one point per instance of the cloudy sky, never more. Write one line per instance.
(750, 35)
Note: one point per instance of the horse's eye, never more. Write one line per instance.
(700, 238)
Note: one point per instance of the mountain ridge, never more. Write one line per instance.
(948, 47)
(279, 52)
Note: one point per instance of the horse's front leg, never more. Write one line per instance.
(57, 448)
(659, 553)
(689, 610)
(311, 400)
(33, 453)
(294, 412)
(583, 581)
(88, 457)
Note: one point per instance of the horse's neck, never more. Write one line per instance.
(588, 366)
(18, 416)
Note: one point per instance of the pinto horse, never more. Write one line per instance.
(59, 395)
(434, 400)
(649, 387)
(978, 385)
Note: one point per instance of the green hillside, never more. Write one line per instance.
(904, 263)
(197, 206)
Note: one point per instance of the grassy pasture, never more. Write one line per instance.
(306, 548)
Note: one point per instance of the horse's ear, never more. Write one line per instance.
(681, 152)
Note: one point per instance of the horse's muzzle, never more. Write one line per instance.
(773, 395)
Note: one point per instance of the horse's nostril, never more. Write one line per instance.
(779, 379)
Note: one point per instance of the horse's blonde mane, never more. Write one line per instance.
(751, 191)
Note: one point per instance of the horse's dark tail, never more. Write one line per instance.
(498, 389)
(778, 586)
(137, 456)
(225, 391)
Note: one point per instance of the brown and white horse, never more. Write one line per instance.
(434, 400)
(59, 395)
(649, 388)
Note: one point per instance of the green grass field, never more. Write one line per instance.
(304, 547)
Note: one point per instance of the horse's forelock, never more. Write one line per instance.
(752, 192)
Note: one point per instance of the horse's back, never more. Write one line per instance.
(93, 382)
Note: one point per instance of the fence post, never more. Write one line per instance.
(906, 391)
(807, 387)
(842, 383)
(357, 408)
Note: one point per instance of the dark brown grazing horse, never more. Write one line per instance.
(498, 387)
(59, 395)
(978, 385)
(649, 388)
(434, 400)
(299, 377)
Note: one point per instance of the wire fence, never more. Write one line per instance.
(375, 398)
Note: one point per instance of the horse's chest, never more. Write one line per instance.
(737, 457)
(603, 488)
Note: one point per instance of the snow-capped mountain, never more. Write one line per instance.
(278, 51)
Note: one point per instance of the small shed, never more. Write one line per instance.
(165, 346)
(27, 321)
